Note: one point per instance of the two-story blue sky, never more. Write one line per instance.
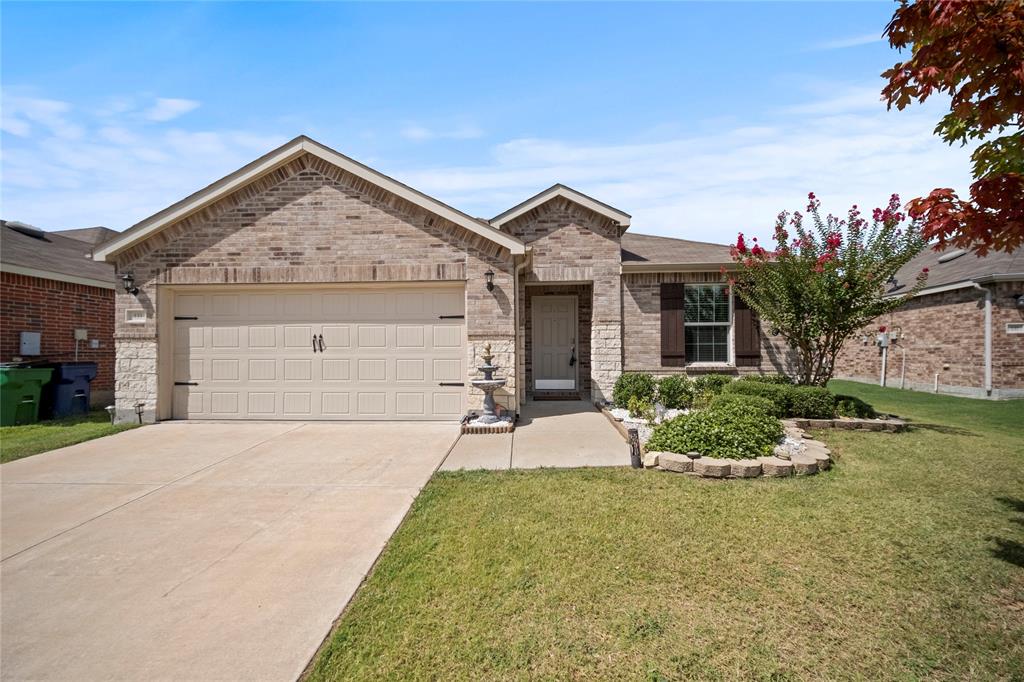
(700, 120)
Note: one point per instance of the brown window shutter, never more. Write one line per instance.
(747, 332)
(673, 344)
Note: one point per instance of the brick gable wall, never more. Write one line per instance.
(56, 309)
(311, 222)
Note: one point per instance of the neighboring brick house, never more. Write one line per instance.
(962, 334)
(308, 286)
(50, 286)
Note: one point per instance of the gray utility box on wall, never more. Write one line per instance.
(29, 343)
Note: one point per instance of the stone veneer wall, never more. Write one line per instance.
(944, 334)
(572, 244)
(641, 314)
(584, 307)
(308, 222)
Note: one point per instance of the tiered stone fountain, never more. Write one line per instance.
(488, 385)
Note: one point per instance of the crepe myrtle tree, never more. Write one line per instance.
(825, 281)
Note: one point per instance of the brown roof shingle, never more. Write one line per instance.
(52, 252)
(963, 268)
(653, 250)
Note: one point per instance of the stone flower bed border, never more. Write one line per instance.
(812, 457)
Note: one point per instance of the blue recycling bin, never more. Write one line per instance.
(67, 394)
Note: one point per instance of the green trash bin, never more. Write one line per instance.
(20, 388)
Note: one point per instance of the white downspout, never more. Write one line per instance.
(988, 337)
(885, 366)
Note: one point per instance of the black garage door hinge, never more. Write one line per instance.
(185, 317)
(186, 383)
(451, 317)
(451, 383)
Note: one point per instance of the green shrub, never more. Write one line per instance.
(711, 383)
(779, 395)
(850, 406)
(812, 402)
(731, 430)
(702, 399)
(752, 402)
(675, 392)
(633, 385)
(640, 408)
(768, 378)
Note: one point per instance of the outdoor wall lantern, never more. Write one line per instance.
(489, 276)
(128, 280)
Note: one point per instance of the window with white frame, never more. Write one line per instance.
(707, 318)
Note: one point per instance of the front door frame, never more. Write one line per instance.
(534, 365)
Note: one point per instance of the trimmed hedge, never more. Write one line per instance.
(812, 402)
(752, 402)
(781, 379)
(711, 383)
(850, 406)
(675, 392)
(639, 385)
(777, 394)
(730, 430)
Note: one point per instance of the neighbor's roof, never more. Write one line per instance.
(277, 158)
(560, 190)
(27, 250)
(954, 268)
(90, 235)
(649, 253)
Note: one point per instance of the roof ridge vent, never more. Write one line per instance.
(952, 255)
(26, 229)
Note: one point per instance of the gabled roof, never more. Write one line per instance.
(90, 235)
(650, 253)
(277, 158)
(569, 193)
(25, 250)
(955, 268)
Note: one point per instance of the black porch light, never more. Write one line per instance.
(489, 277)
(128, 280)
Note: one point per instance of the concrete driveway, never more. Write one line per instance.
(194, 551)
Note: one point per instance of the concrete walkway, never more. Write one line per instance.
(198, 551)
(558, 434)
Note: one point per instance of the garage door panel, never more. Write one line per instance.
(336, 369)
(251, 354)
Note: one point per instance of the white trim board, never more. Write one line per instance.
(277, 158)
(572, 195)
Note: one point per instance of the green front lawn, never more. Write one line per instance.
(31, 439)
(906, 561)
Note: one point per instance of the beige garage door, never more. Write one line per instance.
(346, 353)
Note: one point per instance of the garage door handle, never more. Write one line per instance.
(451, 383)
(314, 343)
(321, 339)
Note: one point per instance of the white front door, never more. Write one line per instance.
(320, 353)
(554, 342)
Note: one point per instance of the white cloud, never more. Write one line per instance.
(167, 109)
(24, 115)
(67, 166)
(705, 185)
(845, 147)
(851, 41)
(420, 133)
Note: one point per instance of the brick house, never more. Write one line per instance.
(308, 286)
(50, 286)
(962, 334)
